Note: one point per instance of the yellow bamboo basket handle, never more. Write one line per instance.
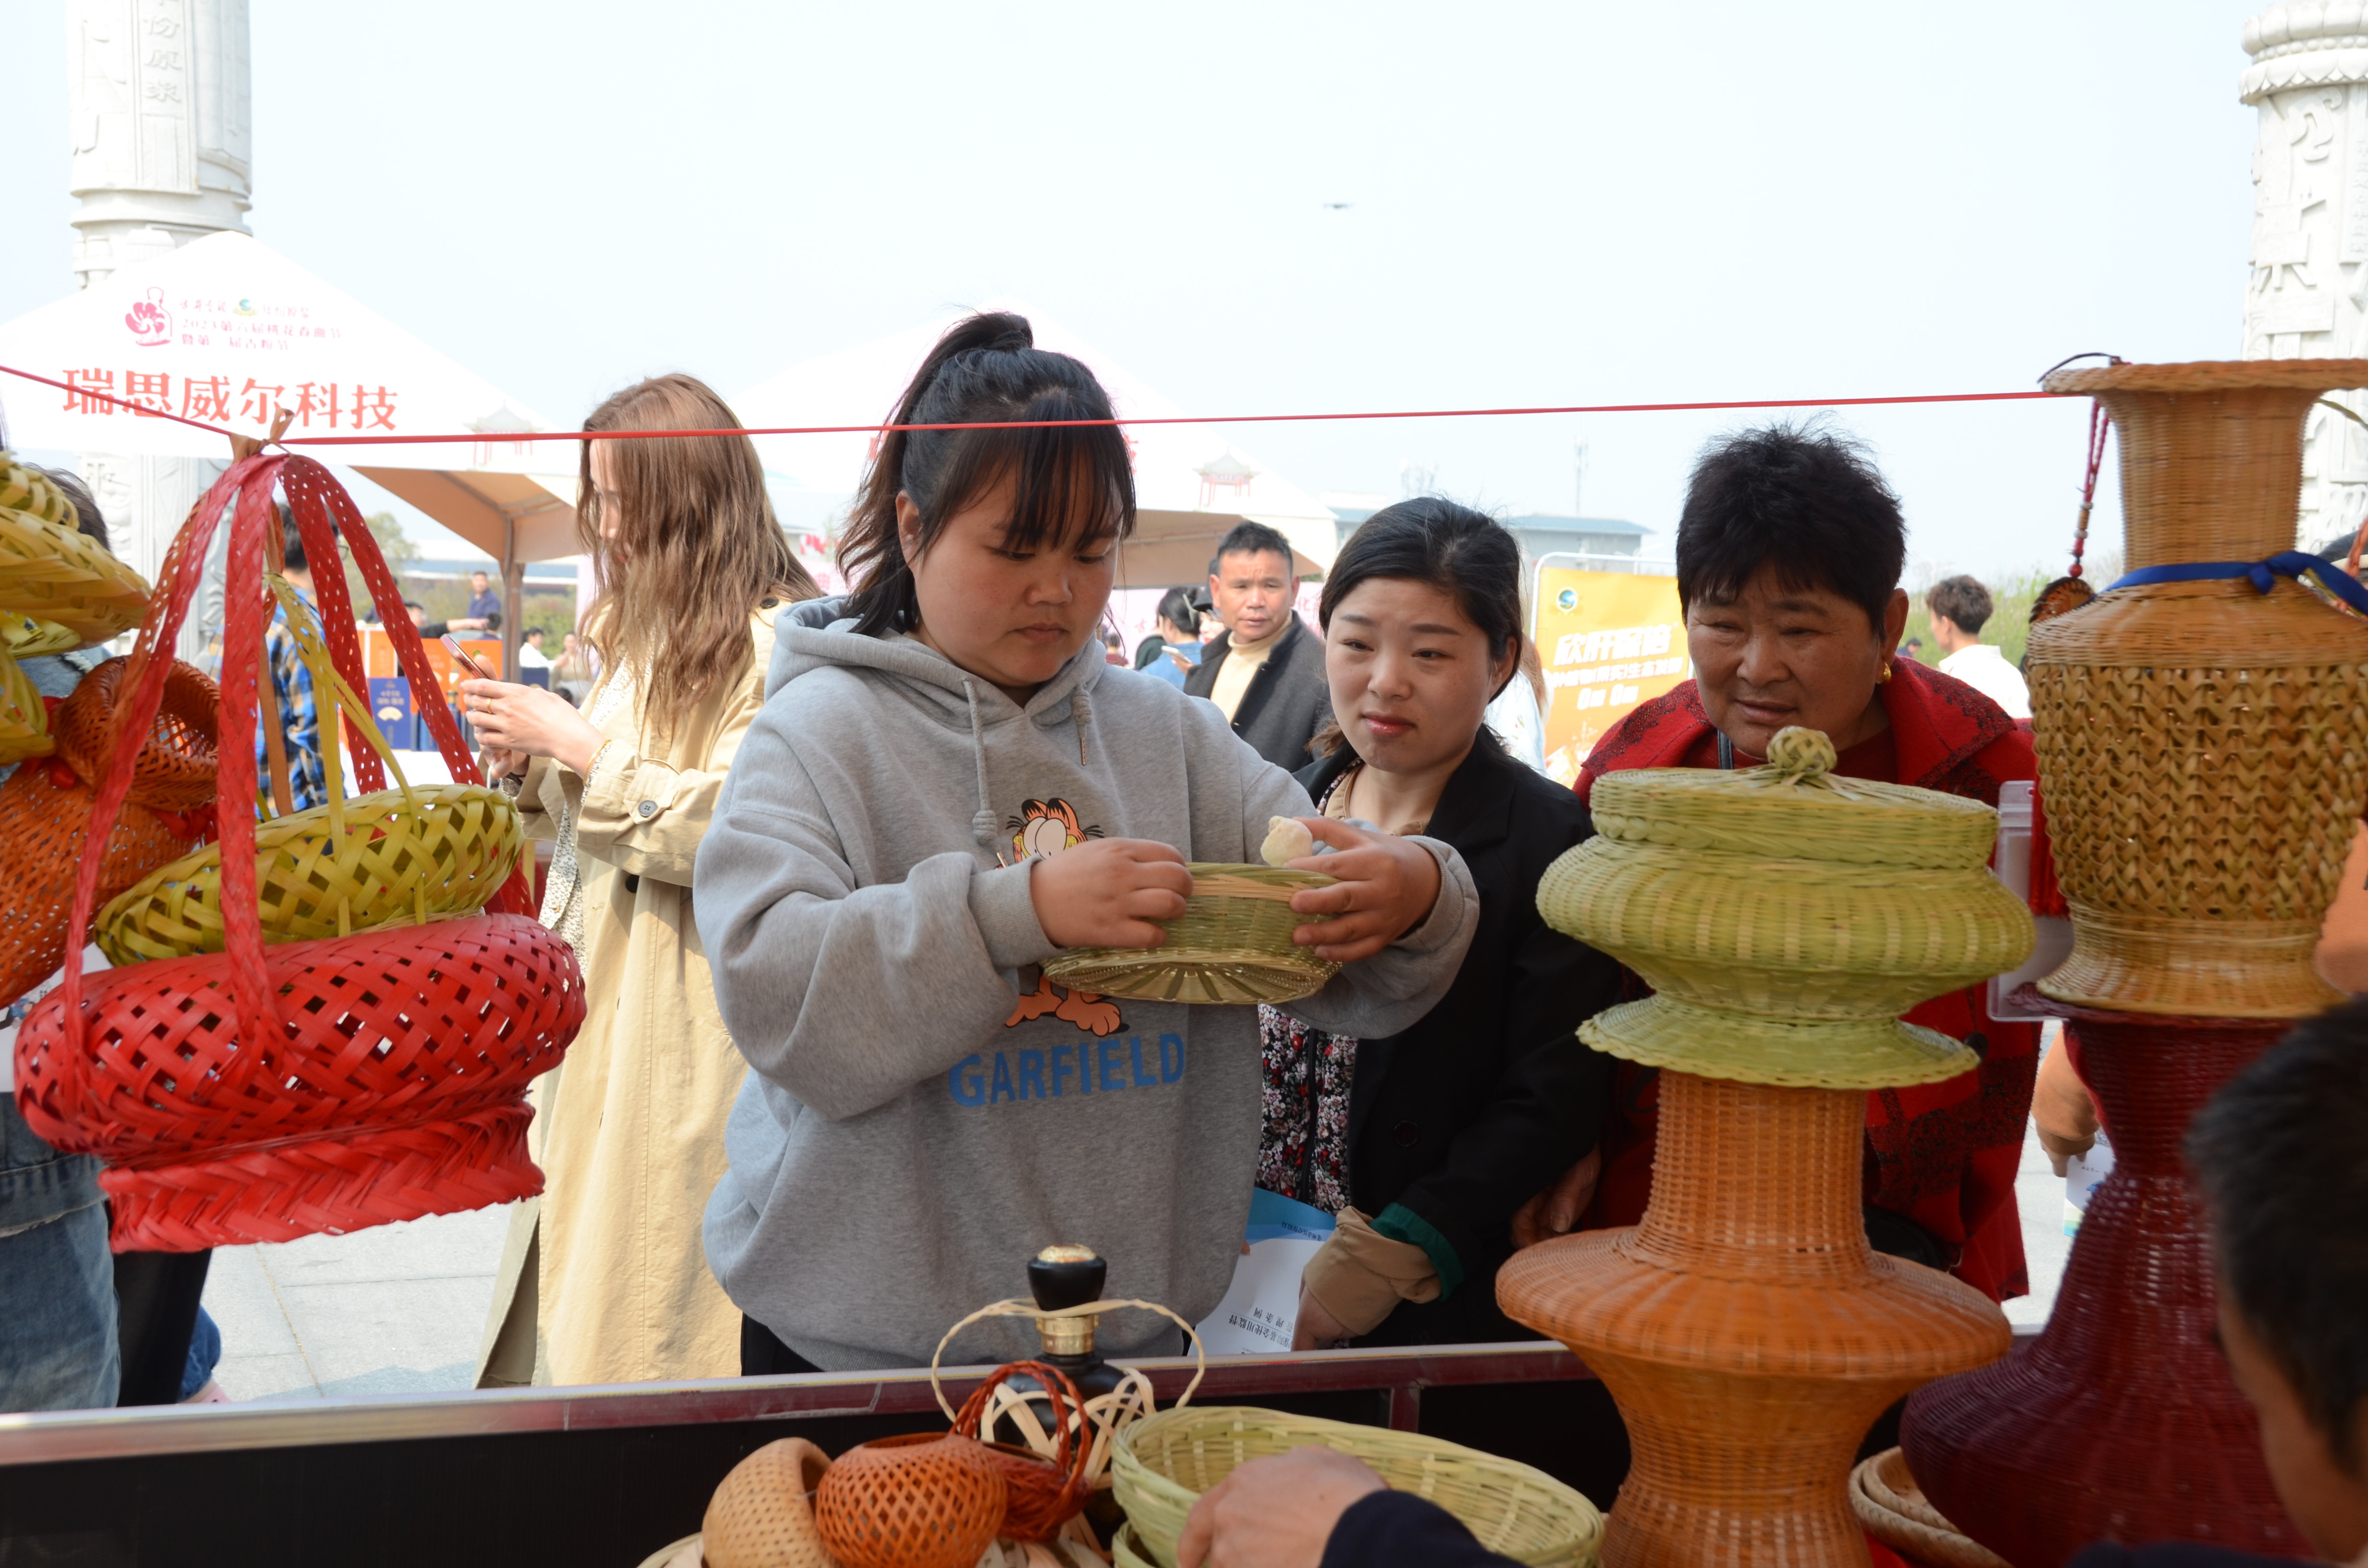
(1019, 1307)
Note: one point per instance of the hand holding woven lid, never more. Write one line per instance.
(1232, 945)
(1787, 917)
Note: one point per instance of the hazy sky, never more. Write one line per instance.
(1573, 202)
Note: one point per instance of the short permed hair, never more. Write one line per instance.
(1251, 539)
(1806, 502)
(1963, 600)
(2285, 1172)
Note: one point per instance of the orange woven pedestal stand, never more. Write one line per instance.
(266, 1092)
(2119, 1421)
(46, 804)
(2199, 740)
(918, 1501)
(1747, 1330)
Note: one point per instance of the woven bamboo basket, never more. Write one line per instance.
(45, 811)
(923, 1500)
(762, 1515)
(24, 717)
(2199, 743)
(398, 858)
(1231, 945)
(1787, 917)
(29, 637)
(1163, 1464)
(50, 571)
(1894, 1512)
(1745, 1329)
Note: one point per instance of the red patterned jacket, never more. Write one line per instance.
(1943, 1155)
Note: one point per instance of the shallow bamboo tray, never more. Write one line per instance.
(1231, 945)
(1895, 1511)
(1161, 1466)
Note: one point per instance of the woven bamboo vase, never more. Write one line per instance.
(1745, 1327)
(2203, 745)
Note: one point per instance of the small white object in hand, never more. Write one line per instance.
(1287, 839)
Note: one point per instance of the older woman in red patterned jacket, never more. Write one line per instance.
(1789, 556)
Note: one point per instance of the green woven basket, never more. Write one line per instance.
(1786, 918)
(1231, 945)
(1160, 1466)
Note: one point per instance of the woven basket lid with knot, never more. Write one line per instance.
(1787, 917)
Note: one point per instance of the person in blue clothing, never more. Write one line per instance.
(292, 687)
(2285, 1172)
(485, 605)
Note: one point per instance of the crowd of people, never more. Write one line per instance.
(813, 853)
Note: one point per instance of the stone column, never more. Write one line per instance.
(2307, 296)
(158, 110)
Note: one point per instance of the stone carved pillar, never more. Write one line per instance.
(159, 126)
(2307, 295)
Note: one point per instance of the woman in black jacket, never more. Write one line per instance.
(1426, 1144)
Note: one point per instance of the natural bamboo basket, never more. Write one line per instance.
(1745, 1329)
(24, 717)
(1787, 917)
(398, 858)
(2199, 743)
(1894, 1511)
(1231, 945)
(52, 571)
(1164, 1463)
(762, 1515)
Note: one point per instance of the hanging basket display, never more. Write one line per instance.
(45, 810)
(1232, 945)
(2199, 738)
(260, 1093)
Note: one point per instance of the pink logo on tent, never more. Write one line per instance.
(149, 322)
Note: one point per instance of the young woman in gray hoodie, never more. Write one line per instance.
(943, 791)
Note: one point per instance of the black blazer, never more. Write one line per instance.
(1477, 1108)
(1288, 699)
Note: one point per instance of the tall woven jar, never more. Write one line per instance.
(1748, 1332)
(2203, 745)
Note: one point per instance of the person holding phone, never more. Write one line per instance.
(604, 1279)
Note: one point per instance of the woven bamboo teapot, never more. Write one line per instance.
(2202, 743)
(1787, 917)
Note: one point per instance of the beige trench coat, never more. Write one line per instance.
(604, 1279)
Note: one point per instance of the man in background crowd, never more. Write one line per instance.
(530, 654)
(485, 605)
(1959, 608)
(1264, 671)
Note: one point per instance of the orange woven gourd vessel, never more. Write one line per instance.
(259, 1095)
(2199, 743)
(1043, 1495)
(920, 1501)
(45, 810)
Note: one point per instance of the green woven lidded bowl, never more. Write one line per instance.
(1232, 945)
(1160, 1466)
(1786, 918)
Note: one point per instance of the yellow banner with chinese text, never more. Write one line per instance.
(1609, 641)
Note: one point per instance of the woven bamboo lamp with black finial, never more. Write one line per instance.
(1786, 918)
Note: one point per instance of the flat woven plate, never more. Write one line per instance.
(1231, 947)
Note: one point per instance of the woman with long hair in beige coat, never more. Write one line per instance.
(603, 1279)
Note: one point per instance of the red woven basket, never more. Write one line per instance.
(45, 808)
(261, 1094)
(1042, 1495)
(2120, 1422)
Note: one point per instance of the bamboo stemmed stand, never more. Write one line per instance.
(1748, 1332)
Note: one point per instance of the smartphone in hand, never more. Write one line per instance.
(452, 646)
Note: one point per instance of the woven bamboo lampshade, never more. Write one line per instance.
(1745, 1329)
(2200, 742)
(2119, 1421)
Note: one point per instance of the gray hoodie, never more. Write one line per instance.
(924, 1115)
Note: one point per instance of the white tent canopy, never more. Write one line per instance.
(1191, 484)
(225, 330)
